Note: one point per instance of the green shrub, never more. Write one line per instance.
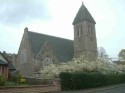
(74, 81)
(87, 80)
(66, 81)
(2, 81)
(22, 80)
(16, 78)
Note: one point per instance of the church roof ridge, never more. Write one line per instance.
(83, 14)
(50, 35)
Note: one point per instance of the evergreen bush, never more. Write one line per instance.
(66, 80)
(74, 81)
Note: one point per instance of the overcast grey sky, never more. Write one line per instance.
(55, 17)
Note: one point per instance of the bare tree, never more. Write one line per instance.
(121, 55)
(102, 53)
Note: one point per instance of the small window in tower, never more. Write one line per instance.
(78, 33)
(91, 30)
(88, 27)
(81, 30)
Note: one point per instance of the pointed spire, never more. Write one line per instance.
(82, 3)
(83, 15)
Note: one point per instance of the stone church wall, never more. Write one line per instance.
(25, 63)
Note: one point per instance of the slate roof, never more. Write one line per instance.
(2, 62)
(83, 14)
(63, 48)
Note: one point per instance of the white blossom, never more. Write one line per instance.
(82, 65)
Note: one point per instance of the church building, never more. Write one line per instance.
(38, 50)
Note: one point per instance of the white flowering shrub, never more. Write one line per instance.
(49, 71)
(81, 65)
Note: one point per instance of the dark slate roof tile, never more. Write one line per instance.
(63, 48)
(83, 14)
(2, 62)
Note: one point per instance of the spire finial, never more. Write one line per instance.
(82, 3)
(26, 29)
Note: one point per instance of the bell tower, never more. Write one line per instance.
(84, 34)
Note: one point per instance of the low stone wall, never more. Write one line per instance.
(38, 81)
(31, 89)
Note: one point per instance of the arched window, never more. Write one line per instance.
(78, 34)
(47, 59)
(77, 31)
(91, 30)
(81, 30)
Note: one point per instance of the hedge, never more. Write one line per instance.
(74, 81)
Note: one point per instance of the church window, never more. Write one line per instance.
(81, 30)
(78, 33)
(88, 27)
(77, 30)
(91, 30)
(47, 61)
